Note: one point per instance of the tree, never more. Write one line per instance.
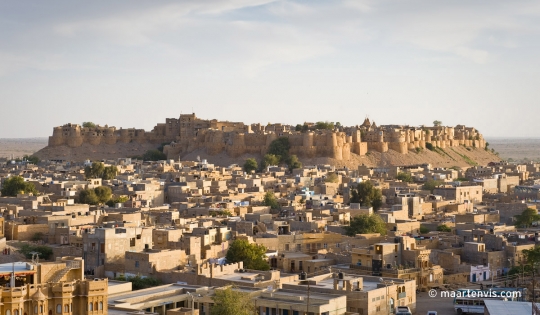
(280, 148)
(88, 124)
(228, 301)
(103, 194)
(437, 123)
(430, 146)
(139, 283)
(405, 177)
(365, 224)
(115, 200)
(431, 184)
(293, 162)
(322, 125)
(532, 256)
(269, 159)
(250, 165)
(367, 195)
(45, 252)
(253, 255)
(109, 172)
(423, 229)
(31, 158)
(444, 228)
(270, 200)
(88, 196)
(95, 170)
(298, 127)
(332, 178)
(154, 155)
(526, 218)
(16, 185)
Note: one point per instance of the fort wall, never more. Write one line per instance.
(189, 133)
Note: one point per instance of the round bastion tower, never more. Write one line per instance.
(57, 138)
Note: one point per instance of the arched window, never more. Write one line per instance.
(66, 308)
(95, 306)
(59, 308)
(90, 306)
(35, 309)
(41, 309)
(100, 306)
(8, 312)
(16, 312)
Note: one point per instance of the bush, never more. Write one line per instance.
(154, 155)
(332, 178)
(406, 177)
(45, 252)
(430, 146)
(424, 230)
(250, 165)
(139, 283)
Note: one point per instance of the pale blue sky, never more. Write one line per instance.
(134, 63)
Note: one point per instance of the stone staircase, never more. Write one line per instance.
(58, 275)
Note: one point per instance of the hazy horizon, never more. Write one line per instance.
(135, 63)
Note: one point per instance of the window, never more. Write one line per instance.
(90, 306)
(58, 308)
(8, 312)
(337, 245)
(35, 309)
(66, 308)
(136, 264)
(325, 245)
(100, 306)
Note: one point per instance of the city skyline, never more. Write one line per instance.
(132, 64)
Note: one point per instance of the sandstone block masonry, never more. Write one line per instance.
(189, 133)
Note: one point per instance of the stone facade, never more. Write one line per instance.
(189, 133)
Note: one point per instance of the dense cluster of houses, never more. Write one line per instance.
(174, 221)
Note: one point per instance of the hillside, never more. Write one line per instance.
(454, 156)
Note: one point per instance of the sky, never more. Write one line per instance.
(134, 63)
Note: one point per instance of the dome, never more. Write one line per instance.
(39, 295)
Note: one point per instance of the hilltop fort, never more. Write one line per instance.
(189, 133)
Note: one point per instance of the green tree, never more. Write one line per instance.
(45, 252)
(526, 218)
(365, 224)
(269, 159)
(109, 172)
(270, 200)
(367, 195)
(228, 301)
(103, 194)
(38, 237)
(423, 229)
(154, 155)
(298, 127)
(139, 283)
(332, 178)
(532, 256)
(280, 148)
(95, 170)
(322, 125)
(293, 162)
(115, 200)
(88, 196)
(437, 123)
(430, 146)
(16, 185)
(431, 184)
(31, 158)
(88, 124)
(444, 228)
(406, 177)
(253, 255)
(250, 165)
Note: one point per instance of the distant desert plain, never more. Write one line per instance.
(512, 149)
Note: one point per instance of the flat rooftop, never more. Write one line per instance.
(19, 267)
(500, 307)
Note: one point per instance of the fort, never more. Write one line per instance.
(189, 133)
